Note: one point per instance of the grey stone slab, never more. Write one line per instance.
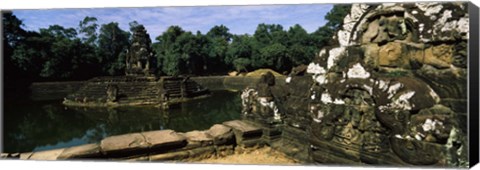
(170, 156)
(244, 128)
(46, 155)
(25, 156)
(4, 155)
(124, 143)
(167, 139)
(221, 134)
(82, 151)
(200, 138)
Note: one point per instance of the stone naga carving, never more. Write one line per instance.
(392, 91)
(377, 100)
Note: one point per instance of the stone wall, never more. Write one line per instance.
(161, 145)
(229, 82)
(391, 91)
(53, 90)
(59, 90)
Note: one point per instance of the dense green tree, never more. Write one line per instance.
(168, 51)
(336, 15)
(219, 38)
(112, 45)
(323, 35)
(58, 53)
(267, 34)
(242, 64)
(88, 29)
(15, 79)
(241, 47)
(301, 47)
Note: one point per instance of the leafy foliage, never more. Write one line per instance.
(57, 53)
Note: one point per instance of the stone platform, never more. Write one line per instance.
(135, 90)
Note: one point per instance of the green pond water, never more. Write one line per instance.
(35, 126)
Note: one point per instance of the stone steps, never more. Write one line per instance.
(160, 145)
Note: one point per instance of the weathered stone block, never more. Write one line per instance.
(170, 156)
(202, 152)
(4, 155)
(252, 142)
(46, 155)
(164, 139)
(221, 134)
(198, 139)
(82, 151)
(124, 144)
(15, 155)
(244, 130)
(142, 158)
(224, 150)
(25, 156)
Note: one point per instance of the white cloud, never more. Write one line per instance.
(239, 19)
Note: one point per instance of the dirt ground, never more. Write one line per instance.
(264, 155)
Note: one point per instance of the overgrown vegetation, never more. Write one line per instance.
(58, 54)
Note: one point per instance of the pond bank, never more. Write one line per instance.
(59, 90)
(220, 140)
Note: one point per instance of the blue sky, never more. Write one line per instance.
(239, 19)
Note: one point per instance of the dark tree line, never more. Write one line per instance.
(57, 53)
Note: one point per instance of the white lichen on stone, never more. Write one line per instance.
(434, 95)
(246, 94)
(320, 115)
(264, 101)
(338, 101)
(343, 35)
(463, 25)
(368, 88)
(357, 71)
(430, 8)
(356, 12)
(382, 85)
(318, 73)
(432, 125)
(393, 89)
(399, 103)
(321, 79)
(314, 68)
(402, 102)
(288, 79)
(334, 55)
(410, 16)
(442, 23)
(419, 136)
(271, 104)
(326, 98)
(276, 114)
(421, 26)
(322, 52)
(388, 4)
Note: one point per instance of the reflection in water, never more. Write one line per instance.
(34, 126)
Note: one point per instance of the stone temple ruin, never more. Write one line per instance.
(392, 91)
(139, 55)
(140, 86)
